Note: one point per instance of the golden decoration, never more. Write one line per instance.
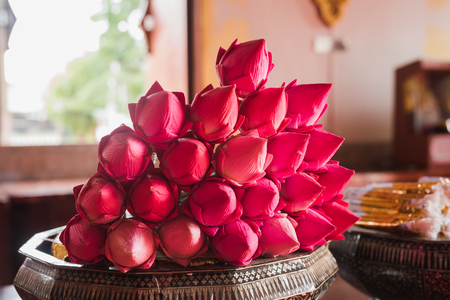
(330, 11)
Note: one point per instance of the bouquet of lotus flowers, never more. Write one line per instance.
(269, 190)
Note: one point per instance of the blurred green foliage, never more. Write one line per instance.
(113, 74)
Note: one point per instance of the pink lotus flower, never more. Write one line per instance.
(83, 241)
(334, 179)
(213, 203)
(131, 244)
(278, 236)
(187, 161)
(242, 159)
(321, 147)
(265, 111)
(182, 239)
(312, 229)
(215, 113)
(300, 191)
(262, 200)
(101, 201)
(288, 150)
(307, 103)
(159, 116)
(153, 198)
(246, 65)
(341, 217)
(237, 243)
(123, 155)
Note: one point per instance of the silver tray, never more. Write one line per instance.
(300, 275)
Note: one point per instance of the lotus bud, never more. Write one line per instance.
(242, 159)
(307, 103)
(300, 191)
(123, 155)
(262, 200)
(322, 146)
(334, 179)
(265, 111)
(101, 200)
(182, 239)
(83, 241)
(341, 217)
(278, 236)
(187, 161)
(213, 203)
(215, 114)
(153, 198)
(130, 244)
(312, 229)
(288, 150)
(159, 116)
(246, 65)
(237, 243)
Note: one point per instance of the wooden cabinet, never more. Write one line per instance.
(422, 116)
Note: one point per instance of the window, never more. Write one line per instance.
(70, 69)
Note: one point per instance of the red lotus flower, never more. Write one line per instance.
(213, 202)
(262, 200)
(242, 159)
(123, 155)
(246, 65)
(101, 201)
(334, 179)
(312, 229)
(215, 113)
(288, 150)
(153, 198)
(187, 161)
(159, 116)
(237, 243)
(300, 191)
(83, 241)
(278, 236)
(322, 146)
(182, 239)
(340, 216)
(307, 103)
(265, 111)
(131, 244)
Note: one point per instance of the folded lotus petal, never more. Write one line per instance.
(288, 150)
(321, 147)
(153, 198)
(187, 161)
(312, 228)
(130, 244)
(123, 155)
(242, 159)
(83, 241)
(341, 217)
(182, 239)
(247, 65)
(159, 116)
(212, 203)
(265, 111)
(278, 236)
(215, 112)
(307, 101)
(299, 192)
(334, 180)
(101, 200)
(261, 201)
(237, 243)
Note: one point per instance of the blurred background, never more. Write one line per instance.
(69, 68)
